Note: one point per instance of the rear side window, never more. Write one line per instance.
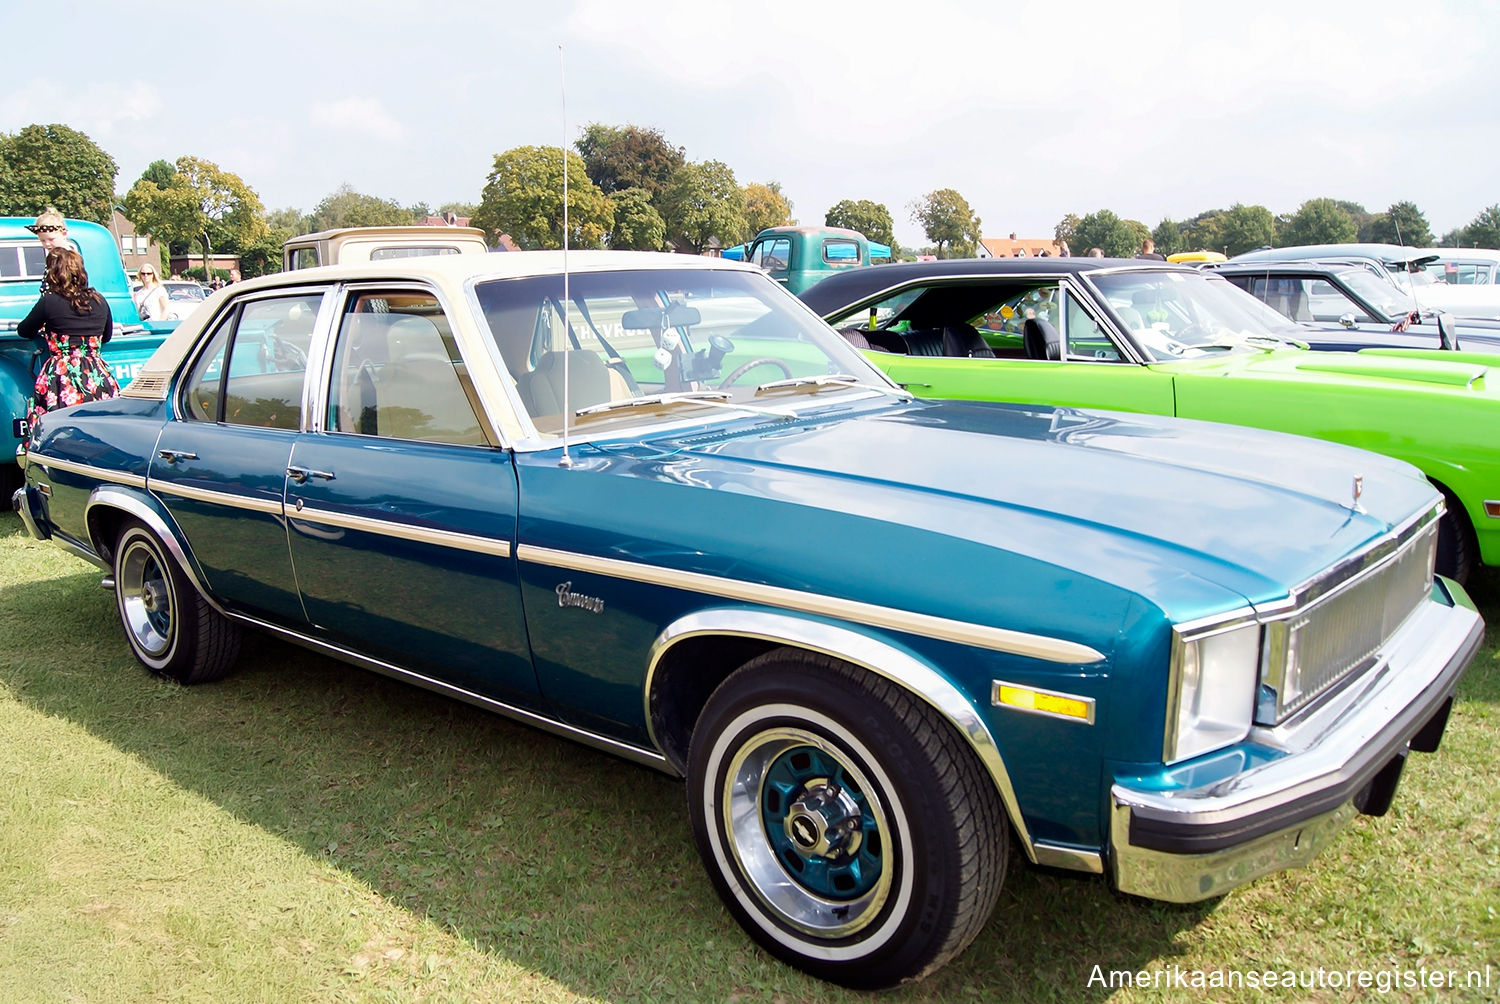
(838, 251)
(266, 345)
(424, 251)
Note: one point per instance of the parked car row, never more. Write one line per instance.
(655, 504)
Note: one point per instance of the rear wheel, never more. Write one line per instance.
(171, 629)
(845, 824)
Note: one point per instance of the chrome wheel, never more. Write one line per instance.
(146, 602)
(802, 826)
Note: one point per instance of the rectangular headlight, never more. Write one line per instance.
(1211, 699)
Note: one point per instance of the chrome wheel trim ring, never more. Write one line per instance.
(774, 889)
(146, 600)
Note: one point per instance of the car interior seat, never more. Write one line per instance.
(965, 340)
(1041, 339)
(589, 383)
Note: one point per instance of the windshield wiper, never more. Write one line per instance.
(695, 398)
(1259, 341)
(813, 384)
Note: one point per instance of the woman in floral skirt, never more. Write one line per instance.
(72, 321)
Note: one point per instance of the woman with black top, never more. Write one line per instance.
(72, 321)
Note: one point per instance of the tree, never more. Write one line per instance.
(289, 220)
(1104, 230)
(523, 196)
(1402, 223)
(702, 204)
(1245, 228)
(345, 207)
(1066, 233)
(159, 173)
(638, 226)
(202, 204)
(52, 165)
(1483, 230)
(870, 218)
(948, 221)
(1318, 221)
(765, 206)
(1361, 216)
(621, 157)
(1169, 237)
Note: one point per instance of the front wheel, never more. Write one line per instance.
(171, 629)
(845, 824)
(1456, 546)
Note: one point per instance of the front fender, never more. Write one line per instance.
(894, 663)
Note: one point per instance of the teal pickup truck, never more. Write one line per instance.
(798, 257)
(22, 264)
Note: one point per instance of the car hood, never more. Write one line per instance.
(1195, 516)
(1434, 368)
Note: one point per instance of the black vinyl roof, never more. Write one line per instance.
(853, 285)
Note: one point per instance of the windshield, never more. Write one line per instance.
(654, 342)
(1180, 315)
(1382, 295)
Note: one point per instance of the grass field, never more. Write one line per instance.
(306, 831)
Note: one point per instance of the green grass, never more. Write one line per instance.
(306, 831)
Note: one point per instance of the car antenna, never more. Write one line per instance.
(566, 461)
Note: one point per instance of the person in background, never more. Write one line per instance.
(51, 230)
(1096, 252)
(72, 321)
(151, 298)
(1148, 250)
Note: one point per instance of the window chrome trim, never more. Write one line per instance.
(403, 531)
(869, 614)
(901, 668)
(73, 467)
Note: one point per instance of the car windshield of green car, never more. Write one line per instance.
(655, 345)
(1183, 315)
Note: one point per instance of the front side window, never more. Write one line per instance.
(397, 372)
(773, 255)
(265, 343)
(305, 258)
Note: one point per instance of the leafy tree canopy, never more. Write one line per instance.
(870, 218)
(53, 165)
(1170, 237)
(523, 196)
(289, 220)
(159, 173)
(1402, 223)
(1104, 230)
(1066, 231)
(621, 157)
(1483, 230)
(703, 203)
(1245, 228)
(948, 221)
(638, 226)
(1318, 221)
(765, 206)
(344, 207)
(201, 203)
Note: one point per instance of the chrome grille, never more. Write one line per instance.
(1336, 636)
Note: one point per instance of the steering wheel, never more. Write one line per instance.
(746, 367)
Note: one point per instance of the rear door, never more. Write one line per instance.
(220, 466)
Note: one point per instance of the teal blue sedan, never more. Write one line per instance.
(653, 504)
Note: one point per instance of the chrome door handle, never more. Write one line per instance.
(301, 474)
(172, 456)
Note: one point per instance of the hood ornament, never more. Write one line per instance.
(1359, 489)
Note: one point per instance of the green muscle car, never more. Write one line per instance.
(1150, 337)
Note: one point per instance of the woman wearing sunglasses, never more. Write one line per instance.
(72, 321)
(151, 298)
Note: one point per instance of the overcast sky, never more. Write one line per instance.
(1029, 110)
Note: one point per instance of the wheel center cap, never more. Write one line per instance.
(823, 822)
(151, 597)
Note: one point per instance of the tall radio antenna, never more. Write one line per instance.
(566, 461)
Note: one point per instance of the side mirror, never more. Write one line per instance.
(1346, 320)
(1447, 332)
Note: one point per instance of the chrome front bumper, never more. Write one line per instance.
(27, 502)
(1186, 845)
